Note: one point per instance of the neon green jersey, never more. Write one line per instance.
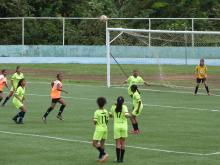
(136, 98)
(20, 92)
(134, 80)
(16, 78)
(101, 117)
(120, 119)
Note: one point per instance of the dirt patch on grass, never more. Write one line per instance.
(42, 73)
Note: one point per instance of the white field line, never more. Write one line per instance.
(149, 105)
(167, 91)
(123, 87)
(128, 146)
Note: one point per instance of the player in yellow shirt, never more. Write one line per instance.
(119, 112)
(18, 101)
(137, 108)
(134, 79)
(3, 83)
(16, 77)
(100, 120)
(201, 75)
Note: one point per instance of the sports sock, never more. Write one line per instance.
(48, 111)
(135, 126)
(6, 100)
(122, 155)
(16, 116)
(21, 116)
(207, 88)
(101, 154)
(1, 99)
(196, 89)
(61, 109)
(101, 150)
(118, 154)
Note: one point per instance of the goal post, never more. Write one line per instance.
(153, 43)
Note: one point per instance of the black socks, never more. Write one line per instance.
(6, 100)
(101, 152)
(207, 89)
(196, 89)
(135, 126)
(19, 117)
(48, 111)
(120, 154)
(61, 109)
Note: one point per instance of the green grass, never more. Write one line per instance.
(165, 128)
(181, 75)
(172, 119)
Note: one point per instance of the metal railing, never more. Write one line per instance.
(150, 21)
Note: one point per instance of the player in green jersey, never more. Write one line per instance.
(18, 101)
(134, 79)
(119, 112)
(100, 119)
(137, 108)
(16, 77)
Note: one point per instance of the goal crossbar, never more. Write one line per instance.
(125, 30)
(162, 31)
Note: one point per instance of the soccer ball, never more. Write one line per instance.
(103, 18)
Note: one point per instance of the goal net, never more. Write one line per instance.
(162, 57)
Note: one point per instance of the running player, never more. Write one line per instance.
(100, 119)
(16, 77)
(119, 112)
(18, 101)
(201, 75)
(3, 83)
(55, 94)
(134, 79)
(137, 108)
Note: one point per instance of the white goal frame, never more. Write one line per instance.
(121, 30)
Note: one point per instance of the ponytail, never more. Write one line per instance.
(120, 101)
(20, 81)
(134, 88)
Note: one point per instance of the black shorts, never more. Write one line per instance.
(1, 92)
(55, 100)
(199, 80)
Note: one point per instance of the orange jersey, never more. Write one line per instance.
(55, 93)
(3, 81)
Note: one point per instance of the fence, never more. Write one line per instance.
(85, 37)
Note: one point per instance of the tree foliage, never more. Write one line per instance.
(91, 31)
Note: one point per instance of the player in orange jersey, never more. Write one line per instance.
(56, 97)
(3, 83)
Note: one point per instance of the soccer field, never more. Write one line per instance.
(176, 127)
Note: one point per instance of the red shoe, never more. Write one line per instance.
(134, 132)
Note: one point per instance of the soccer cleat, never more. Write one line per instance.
(15, 120)
(104, 158)
(20, 122)
(44, 119)
(134, 132)
(59, 117)
(209, 94)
